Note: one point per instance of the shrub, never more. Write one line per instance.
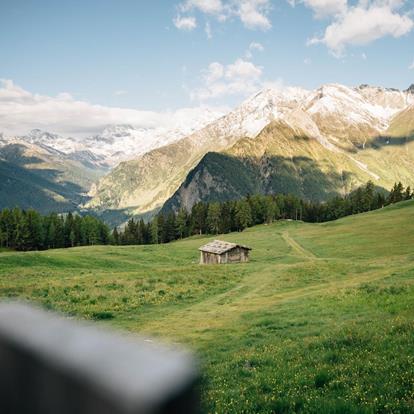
(322, 379)
(102, 315)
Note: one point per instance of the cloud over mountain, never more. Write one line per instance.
(21, 111)
(241, 77)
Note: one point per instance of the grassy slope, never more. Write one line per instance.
(35, 178)
(285, 160)
(320, 320)
(279, 160)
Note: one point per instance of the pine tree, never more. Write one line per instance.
(68, 229)
(144, 230)
(60, 232)
(243, 215)
(169, 230)
(72, 238)
(161, 228)
(199, 218)
(368, 194)
(103, 231)
(154, 231)
(115, 236)
(182, 223)
(270, 210)
(379, 201)
(35, 238)
(396, 194)
(257, 207)
(22, 235)
(214, 217)
(51, 235)
(226, 220)
(6, 227)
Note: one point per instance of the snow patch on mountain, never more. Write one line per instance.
(365, 104)
(118, 143)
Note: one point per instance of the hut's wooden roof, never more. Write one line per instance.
(219, 247)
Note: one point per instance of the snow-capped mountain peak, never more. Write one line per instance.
(365, 104)
(113, 131)
(120, 142)
(369, 106)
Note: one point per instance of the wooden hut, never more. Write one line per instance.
(218, 252)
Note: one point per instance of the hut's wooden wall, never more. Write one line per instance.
(235, 255)
(209, 258)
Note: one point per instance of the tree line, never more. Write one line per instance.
(228, 216)
(28, 230)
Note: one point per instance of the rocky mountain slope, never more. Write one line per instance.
(322, 131)
(287, 159)
(144, 184)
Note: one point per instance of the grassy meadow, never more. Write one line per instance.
(321, 320)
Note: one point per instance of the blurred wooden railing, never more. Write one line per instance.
(54, 365)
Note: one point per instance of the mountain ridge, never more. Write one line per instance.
(340, 125)
(348, 124)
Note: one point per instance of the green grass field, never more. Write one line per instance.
(321, 320)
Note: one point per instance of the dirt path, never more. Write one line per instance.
(297, 247)
(254, 293)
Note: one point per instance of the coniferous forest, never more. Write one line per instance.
(28, 230)
(228, 216)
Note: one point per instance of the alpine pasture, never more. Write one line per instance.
(321, 320)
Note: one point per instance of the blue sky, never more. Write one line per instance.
(157, 55)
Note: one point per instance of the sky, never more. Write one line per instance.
(77, 65)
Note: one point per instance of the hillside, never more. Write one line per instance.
(314, 323)
(287, 159)
(42, 178)
(338, 123)
(280, 160)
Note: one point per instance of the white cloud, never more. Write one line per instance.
(254, 46)
(252, 13)
(205, 6)
(243, 69)
(411, 66)
(365, 23)
(185, 23)
(307, 61)
(21, 111)
(363, 56)
(214, 72)
(241, 77)
(325, 8)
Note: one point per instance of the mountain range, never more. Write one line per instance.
(311, 143)
(49, 172)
